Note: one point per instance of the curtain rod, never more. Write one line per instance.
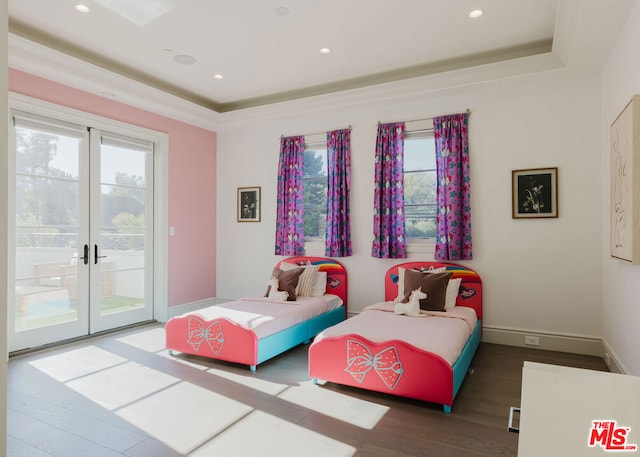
(468, 111)
(315, 133)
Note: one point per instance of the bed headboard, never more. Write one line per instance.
(470, 294)
(336, 274)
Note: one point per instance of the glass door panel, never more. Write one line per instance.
(122, 275)
(50, 233)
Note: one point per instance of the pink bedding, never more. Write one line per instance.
(266, 317)
(439, 332)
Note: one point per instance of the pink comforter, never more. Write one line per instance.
(439, 332)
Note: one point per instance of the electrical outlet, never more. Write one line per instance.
(531, 340)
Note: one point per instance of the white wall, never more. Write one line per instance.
(539, 275)
(4, 223)
(621, 281)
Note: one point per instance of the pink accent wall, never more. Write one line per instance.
(192, 182)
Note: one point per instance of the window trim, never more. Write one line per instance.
(314, 142)
(420, 129)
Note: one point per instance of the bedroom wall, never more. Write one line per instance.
(540, 276)
(621, 281)
(192, 183)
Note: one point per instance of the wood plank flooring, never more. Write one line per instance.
(123, 395)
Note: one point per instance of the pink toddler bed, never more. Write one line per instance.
(425, 357)
(254, 329)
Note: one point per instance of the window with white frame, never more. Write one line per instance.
(315, 191)
(420, 185)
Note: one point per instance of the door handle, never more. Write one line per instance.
(85, 258)
(96, 256)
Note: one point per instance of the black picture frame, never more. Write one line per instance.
(534, 193)
(249, 206)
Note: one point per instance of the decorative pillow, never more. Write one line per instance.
(433, 284)
(320, 284)
(453, 288)
(401, 271)
(288, 280)
(305, 284)
(307, 279)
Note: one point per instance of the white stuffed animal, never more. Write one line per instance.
(274, 293)
(412, 308)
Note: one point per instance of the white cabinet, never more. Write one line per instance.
(575, 412)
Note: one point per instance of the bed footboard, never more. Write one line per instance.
(392, 367)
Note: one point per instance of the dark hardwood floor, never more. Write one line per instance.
(122, 394)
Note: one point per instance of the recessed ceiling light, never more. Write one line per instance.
(184, 59)
(218, 76)
(476, 13)
(325, 51)
(82, 8)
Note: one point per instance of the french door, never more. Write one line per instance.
(83, 236)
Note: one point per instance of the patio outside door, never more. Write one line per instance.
(82, 261)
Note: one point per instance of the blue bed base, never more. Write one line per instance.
(461, 366)
(273, 345)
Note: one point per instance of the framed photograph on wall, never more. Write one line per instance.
(534, 193)
(625, 183)
(249, 204)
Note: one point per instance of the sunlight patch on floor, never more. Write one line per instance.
(358, 412)
(264, 435)
(152, 340)
(121, 385)
(184, 416)
(267, 387)
(77, 363)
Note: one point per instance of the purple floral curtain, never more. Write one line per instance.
(290, 204)
(389, 240)
(338, 236)
(453, 220)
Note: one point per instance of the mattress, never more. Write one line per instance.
(438, 332)
(265, 317)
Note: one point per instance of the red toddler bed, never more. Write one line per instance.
(353, 353)
(249, 331)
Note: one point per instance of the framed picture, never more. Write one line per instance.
(249, 204)
(534, 193)
(625, 183)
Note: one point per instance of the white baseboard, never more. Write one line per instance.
(178, 310)
(612, 360)
(547, 341)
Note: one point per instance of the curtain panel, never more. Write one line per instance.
(453, 219)
(290, 202)
(389, 240)
(338, 233)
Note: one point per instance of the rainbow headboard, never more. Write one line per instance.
(336, 274)
(470, 294)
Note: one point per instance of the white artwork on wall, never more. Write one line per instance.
(625, 159)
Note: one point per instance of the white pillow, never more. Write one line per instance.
(401, 271)
(320, 284)
(453, 288)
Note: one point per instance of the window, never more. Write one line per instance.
(315, 191)
(420, 184)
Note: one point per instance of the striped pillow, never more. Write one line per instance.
(307, 278)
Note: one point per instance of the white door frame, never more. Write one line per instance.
(160, 199)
